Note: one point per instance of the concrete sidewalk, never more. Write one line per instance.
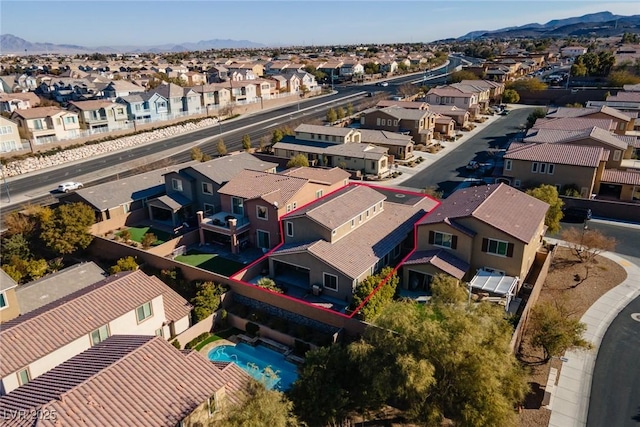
(570, 402)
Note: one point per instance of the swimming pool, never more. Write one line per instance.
(254, 360)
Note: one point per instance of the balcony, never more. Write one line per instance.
(219, 222)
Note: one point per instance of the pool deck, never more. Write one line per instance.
(207, 348)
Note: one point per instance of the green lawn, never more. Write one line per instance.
(211, 262)
(138, 232)
(201, 344)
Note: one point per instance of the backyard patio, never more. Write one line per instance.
(210, 261)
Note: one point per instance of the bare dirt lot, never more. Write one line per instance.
(560, 286)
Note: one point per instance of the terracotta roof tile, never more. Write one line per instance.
(250, 184)
(38, 112)
(324, 130)
(621, 177)
(573, 123)
(503, 207)
(565, 154)
(224, 168)
(39, 332)
(319, 175)
(441, 259)
(126, 381)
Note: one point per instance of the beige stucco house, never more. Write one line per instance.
(9, 136)
(44, 125)
(100, 115)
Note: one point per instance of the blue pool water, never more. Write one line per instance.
(255, 360)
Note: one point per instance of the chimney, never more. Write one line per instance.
(233, 225)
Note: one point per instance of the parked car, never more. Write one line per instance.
(385, 84)
(504, 113)
(576, 214)
(65, 187)
(473, 165)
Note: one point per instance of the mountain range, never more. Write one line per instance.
(601, 24)
(13, 44)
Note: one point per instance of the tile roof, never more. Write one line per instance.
(355, 253)
(6, 282)
(405, 113)
(275, 187)
(125, 381)
(448, 110)
(564, 154)
(319, 175)
(449, 91)
(502, 207)
(625, 97)
(38, 112)
(33, 335)
(92, 105)
(621, 177)
(384, 137)
(170, 90)
(360, 151)
(574, 123)
(441, 259)
(222, 169)
(52, 287)
(409, 105)
(339, 207)
(324, 130)
(580, 112)
(568, 136)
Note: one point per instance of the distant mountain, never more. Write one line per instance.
(12, 44)
(601, 24)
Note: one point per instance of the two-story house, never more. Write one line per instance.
(195, 187)
(496, 89)
(242, 91)
(42, 339)
(100, 115)
(213, 95)
(256, 201)
(336, 242)
(174, 95)
(44, 125)
(129, 380)
(490, 231)
(447, 95)
(400, 146)
(419, 124)
(483, 93)
(332, 146)
(623, 122)
(120, 88)
(10, 139)
(9, 102)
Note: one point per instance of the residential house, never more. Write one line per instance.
(483, 93)
(331, 146)
(336, 242)
(190, 101)
(273, 68)
(626, 102)
(255, 201)
(146, 106)
(331, 69)
(350, 69)
(560, 165)
(573, 51)
(574, 124)
(242, 91)
(595, 136)
(417, 123)
(44, 125)
(496, 89)
(174, 95)
(9, 308)
(195, 187)
(409, 105)
(460, 116)
(445, 127)
(213, 95)
(265, 88)
(100, 115)
(398, 145)
(307, 81)
(447, 95)
(624, 122)
(130, 380)
(9, 102)
(120, 88)
(192, 78)
(246, 70)
(10, 140)
(490, 231)
(63, 89)
(139, 305)
(217, 74)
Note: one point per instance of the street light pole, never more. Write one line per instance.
(4, 179)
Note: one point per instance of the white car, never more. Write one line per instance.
(385, 84)
(65, 187)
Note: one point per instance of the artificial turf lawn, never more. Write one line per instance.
(211, 262)
(137, 233)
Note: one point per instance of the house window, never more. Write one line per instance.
(213, 405)
(497, 247)
(330, 281)
(295, 205)
(144, 312)
(207, 188)
(616, 155)
(543, 167)
(289, 208)
(507, 165)
(262, 212)
(176, 184)
(353, 223)
(374, 208)
(551, 169)
(359, 218)
(378, 122)
(237, 206)
(318, 194)
(367, 213)
(24, 376)
(516, 183)
(3, 300)
(208, 209)
(263, 239)
(159, 333)
(534, 167)
(289, 226)
(99, 335)
(444, 240)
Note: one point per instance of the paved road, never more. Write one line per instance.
(627, 237)
(615, 391)
(448, 172)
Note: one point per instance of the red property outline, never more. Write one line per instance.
(382, 283)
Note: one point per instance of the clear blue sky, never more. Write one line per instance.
(115, 22)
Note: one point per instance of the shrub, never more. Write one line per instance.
(267, 283)
(124, 264)
(176, 344)
(148, 239)
(197, 340)
(252, 329)
(222, 319)
(124, 235)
